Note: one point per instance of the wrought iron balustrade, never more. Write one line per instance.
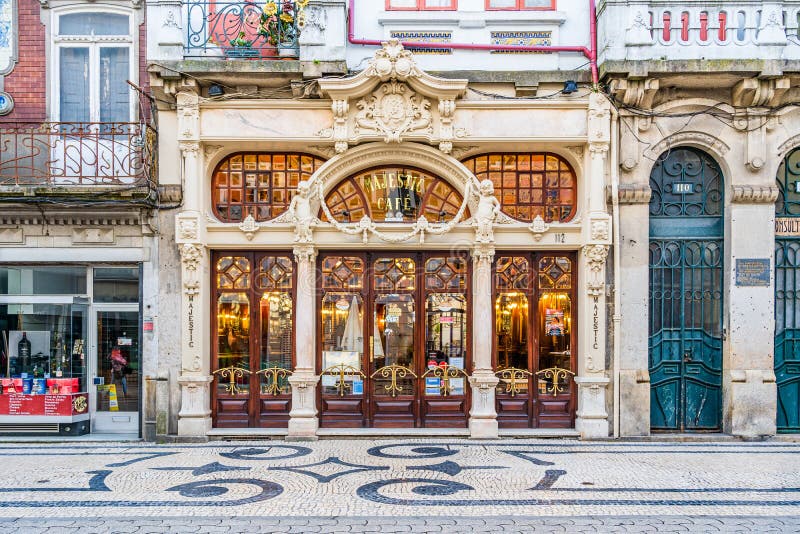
(239, 30)
(54, 154)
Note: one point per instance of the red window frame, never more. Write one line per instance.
(519, 7)
(422, 7)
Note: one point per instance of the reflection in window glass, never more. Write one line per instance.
(93, 24)
(511, 318)
(393, 338)
(43, 338)
(394, 274)
(116, 284)
(445, 339)
(276, 339)
(555, 335)
(41, 280)
(342, 340)
(233, 272)
(342, 272)
(233, 341)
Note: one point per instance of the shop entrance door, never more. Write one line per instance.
(685, 300)
(787, 294)
(534, 342)
(114, 372)
(394, 338)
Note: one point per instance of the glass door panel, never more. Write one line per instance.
(445, 343)
(232, 373)
(118, 356)
(392, 358)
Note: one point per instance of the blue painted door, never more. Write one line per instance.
(787, 296)
(686, 292)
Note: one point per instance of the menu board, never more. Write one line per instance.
(51, 405)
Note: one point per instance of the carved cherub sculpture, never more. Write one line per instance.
(300, 210)
(488, 208)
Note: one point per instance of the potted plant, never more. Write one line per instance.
(241, 47)
(279, 23)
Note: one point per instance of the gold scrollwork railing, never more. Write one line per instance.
(511, 378)
(272, 376)
(393, 372)
(555, 374)
(445, 374)
(232, 374)
(341, 371)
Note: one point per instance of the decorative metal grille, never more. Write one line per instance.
(686, 292)
(77, 153)
(686, 182)
(787, 298)
(788, 204)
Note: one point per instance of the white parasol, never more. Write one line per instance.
(353, 336)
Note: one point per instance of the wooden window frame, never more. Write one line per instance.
(421, 7)
(471, 164)
(253, 207)
(519, 7)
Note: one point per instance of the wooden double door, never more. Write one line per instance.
(534, 345)
(394, 338)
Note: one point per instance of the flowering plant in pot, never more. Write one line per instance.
(280, 21)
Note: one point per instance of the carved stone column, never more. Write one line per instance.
(482, 415)
(194, 418)
(592, 417)
(303, 421)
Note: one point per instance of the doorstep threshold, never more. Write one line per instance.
(255, 433)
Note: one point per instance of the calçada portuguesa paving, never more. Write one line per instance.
(400, 485)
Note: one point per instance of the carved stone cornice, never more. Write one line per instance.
(392, 100)
(636, 93)
(755, 194)
(693, 137)
(632, 193)
(755, 92)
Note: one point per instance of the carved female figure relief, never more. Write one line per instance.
(302, 216)
(488, 208)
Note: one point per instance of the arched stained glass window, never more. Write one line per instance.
(394, 194)
(260, 184)
(529, 184)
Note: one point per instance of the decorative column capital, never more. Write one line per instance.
(189, 148)
(596, 261)
(304, 253)
(483, 253)
(191, 255)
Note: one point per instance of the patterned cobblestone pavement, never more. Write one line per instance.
(456, 525)
(401, 484)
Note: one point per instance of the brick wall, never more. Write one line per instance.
(27, 83)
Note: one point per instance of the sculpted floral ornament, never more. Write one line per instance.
(538, 227)
(394, 111)
(249, 227)
(488, 209)
(596, 257)
(599, 231)
(191, 254)
(392, 100)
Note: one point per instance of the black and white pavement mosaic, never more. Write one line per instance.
(397, 485)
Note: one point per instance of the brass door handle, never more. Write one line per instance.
(371, 349)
